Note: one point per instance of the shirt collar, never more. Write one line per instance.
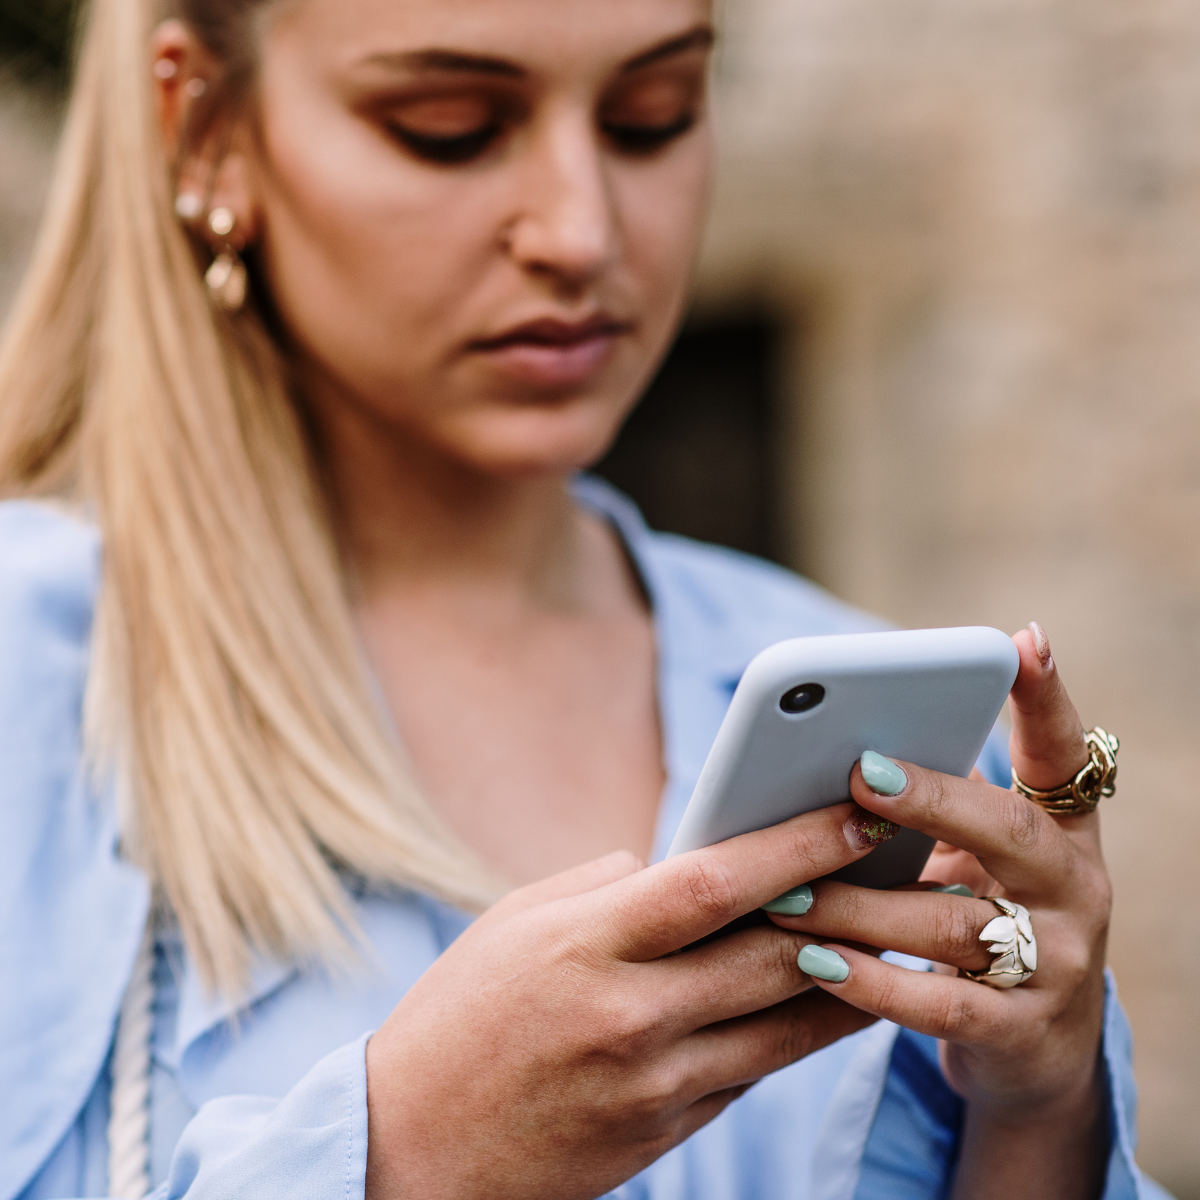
(690, 636)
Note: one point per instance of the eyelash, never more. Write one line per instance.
(645, 139)
(638, 140)
(449, 151)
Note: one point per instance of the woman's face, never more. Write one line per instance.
(477, 217)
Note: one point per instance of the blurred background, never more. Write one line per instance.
(945, 360)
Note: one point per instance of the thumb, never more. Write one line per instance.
(1047, 745)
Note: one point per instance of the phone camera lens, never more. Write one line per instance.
(801, 699)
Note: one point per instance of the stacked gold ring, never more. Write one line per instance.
(1096, 779)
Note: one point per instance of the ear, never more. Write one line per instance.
(214, 172)
(182, 71)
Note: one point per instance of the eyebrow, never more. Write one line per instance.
(450, 60)
(702, 37)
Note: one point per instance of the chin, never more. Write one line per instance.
(540, 442)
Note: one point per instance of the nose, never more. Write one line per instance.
(565, 228)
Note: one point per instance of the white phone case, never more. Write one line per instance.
(928, 696)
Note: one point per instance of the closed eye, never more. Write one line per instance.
(449, 150)
(638, 139)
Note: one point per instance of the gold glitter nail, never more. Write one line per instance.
(864, 830)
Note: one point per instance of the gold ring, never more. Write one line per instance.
(1096, 779)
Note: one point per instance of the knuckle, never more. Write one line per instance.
(625, 862)
(805, 855)
(508, 904)
(1021, 1031)
(886, 998)
(955, 1014)
(620, 1026)
(658, 1093)
(956, 927)
(783, 960)
(858, 905)
(1026, 1038)
(1090, 891)
(633, 1028)
(707, 886)
(1023, 824)
(795, 1040)
(1073, 965)
(937, 794)
(1095, 896)
(658, 1142)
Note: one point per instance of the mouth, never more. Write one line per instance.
(551, 353)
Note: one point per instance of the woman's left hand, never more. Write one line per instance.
(1026, 1060)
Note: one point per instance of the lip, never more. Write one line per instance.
(552, 353)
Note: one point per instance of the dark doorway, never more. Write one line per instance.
(697, 455)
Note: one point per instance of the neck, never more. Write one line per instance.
(410, 518)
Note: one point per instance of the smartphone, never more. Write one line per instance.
(807, 708)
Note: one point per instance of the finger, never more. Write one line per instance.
(1016, 842)
(727, 978)
(700, 1112)
(748, 1048)
(943, 1006)
(586, 877)
(1047, 745)
(677, 902)
(944, 928)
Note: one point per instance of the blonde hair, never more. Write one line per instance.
(227, 695)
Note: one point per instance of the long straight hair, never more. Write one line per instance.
(227, 699)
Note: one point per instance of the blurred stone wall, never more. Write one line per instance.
(28, 124)
(981, 224)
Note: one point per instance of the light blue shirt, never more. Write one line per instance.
(276, 1106)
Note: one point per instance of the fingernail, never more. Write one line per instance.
(823, 964)
(955, 889)
(865, 830)
(1041, 643)
(792, 904)
(882, 775)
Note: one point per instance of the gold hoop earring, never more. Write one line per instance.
(226, 276)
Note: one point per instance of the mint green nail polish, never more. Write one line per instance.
(883, 777)
(955, 889)
(823, 964)
(792, 904)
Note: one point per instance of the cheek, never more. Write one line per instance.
(663, 208)
(368, 260)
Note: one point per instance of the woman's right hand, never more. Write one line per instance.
(559, 1046)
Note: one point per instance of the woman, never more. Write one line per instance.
(312, 647)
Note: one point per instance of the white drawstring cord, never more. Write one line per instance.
(129, 1103)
